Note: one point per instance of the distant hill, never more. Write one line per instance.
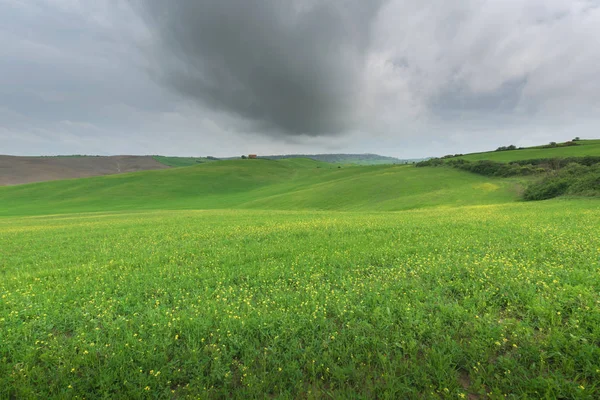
(183, 161)
(16, 170)
(358, 159)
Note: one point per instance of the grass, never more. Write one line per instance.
(433, 303)
(585, 148)
(297, 279)
(261, 184)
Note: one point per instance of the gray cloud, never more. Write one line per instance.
(398, 77)
(295, 67)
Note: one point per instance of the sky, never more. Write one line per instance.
(408, 79)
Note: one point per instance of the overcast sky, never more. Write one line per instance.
(226, 77)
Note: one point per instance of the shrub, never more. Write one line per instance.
(506, 148)
(574, 179)
(587, 183)
(432, 162)
(546, 189)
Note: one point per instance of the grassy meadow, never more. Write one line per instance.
(584, 148)
(297, 279)
(294, 184)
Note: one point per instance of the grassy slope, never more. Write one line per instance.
(585, 148)
(291, 184)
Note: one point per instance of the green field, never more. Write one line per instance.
(584, 148)
(297, 279)
(295, 184)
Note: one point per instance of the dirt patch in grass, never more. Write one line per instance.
(19, 170)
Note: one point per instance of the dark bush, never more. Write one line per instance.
(432, 162)
(506, 148)
(565, 144)
(574, 179)
(486, 167)
(546, 189)
(587, 183)
(557, 163)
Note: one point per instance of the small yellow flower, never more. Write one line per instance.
(147, 388)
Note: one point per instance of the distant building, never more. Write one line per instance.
(252, 156)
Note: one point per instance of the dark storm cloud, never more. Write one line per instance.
(294, 67)
(398, 77)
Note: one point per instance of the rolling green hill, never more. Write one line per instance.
(584, 148)
(290, 184)
(296, 278)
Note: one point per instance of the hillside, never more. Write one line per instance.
(16, 170)
(583, 148)
(291, 184)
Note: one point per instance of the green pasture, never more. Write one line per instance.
(297, 279)
(483, 301)
(584, 148)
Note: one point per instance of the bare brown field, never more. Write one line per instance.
(15, 170)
